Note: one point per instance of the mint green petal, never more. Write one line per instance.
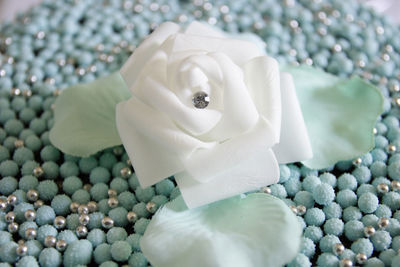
(244, 231)
(340, 114)
(85, 116)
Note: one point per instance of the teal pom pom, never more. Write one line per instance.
(116, 169)
(96, 237)
(8, 185)
(137, 259)
(374, 262)
(324, 194)
(134, 241)
(4, 153)
(38, 126)
(307, 247)
(102, 253)
(304, 198)
(140, 210)
(118, 184)
(72, 184)
(8, 252)
(354, 230)
(300, 261)
(21, 196)
(47, 190)
(99, 175)
(292, 186)
(362, 174)
(28, 167)
(363, 245)
(394, 227)
(351, 213)
(314, 216)
(141, 225)
(8, 168)
(44, 231)
(45, 215)
(127, 200)
(346, 198)
(164, 187)
(392, 200)
(134, 182)
(383, 211)
(103, 206)
(81, 196)
(68, 236)
(328, 260)
(72, 221)
(334, 226)
(348, 254)
(144, 195)
(107, 160)
(95, 220)
(22, 155)
(24, 226)
(50, 169)
(109, 264)
(278, 191)
(86, 165)
(50, 153)
(68, 169)
(328, 242)
(347, 181)
(175, 193)
(28, 182)
(27, 261)
(5, 237)
(394, 170)
(20, 211)
(120, 251)
(387, 256)
(378, 169)
(370, 220)
(396, 261)
(34, 248)
(60, 204)
(159, 200)
(366, 188)
(13, 127)
(328, 178)
(99, 191)
(381, 240)
(50, 257)
(396, 243)
(78, 252)
(116, 234)
(119, 216)
(333, 210)
(368, 203)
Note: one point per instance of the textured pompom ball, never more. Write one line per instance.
(120, 251)
(363, 245)
(368, 203)
(381, 240)
(50, 257)
(78, 252)
(102, 253)
(315, 216)
(324, 194)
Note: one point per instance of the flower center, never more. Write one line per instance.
(200, 100)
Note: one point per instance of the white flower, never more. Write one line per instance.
(233, 145)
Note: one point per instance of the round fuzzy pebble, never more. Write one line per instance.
(334, 226)
(68, 169)
(99, 175)
(328, 178)
(134, 241)
(72, 221)
(13, 127)
(144, 195)
(27, 261)
(72, 184)
(119, 216)
(8, 185)
(96, 237)
(47, 190)
(34, 248)
(99, 191)
(33, 143)
(44, 231)
(381, 240)
(347, 181)
(310, 182)
(392, 200)
(50, 153)
(362, 174)
(116, 234)
(366, 188)
(346, 198)
(81, 196)
(128, 200)
(370, 220)
(60, 204)
(348, 254)
(20, 209)
(102, 253)
(21, 196)
(387, 256)
(324, 194)
(68, 236)
(4, 153)
(332, 210)
(314, 216)
(394, 227)
(300, 260)
(278, 190)
(51, 170)
(78, 252)
(8, 168)
(292, 186)
(396, 243)
(28, 167)
(50, 257)
(116, 169)
(307, 247)
(8, 253)
(95, 220)
(5, 237)
(383, 211)
(368, 203)
(134, 182)
(378, 169)
(22, 155)
(351, 213)
(120, 185)
(141, 225)
(362, 245)
(304, 198)
(107, 160)
(103, 206)
(120, 251)
(164, 187)
(141, 210)
(327, 243)
(394, 170)
(374, 262)
(175, 193)
(86, 165)
(137, 259)
(354, 229)
(396, 261)
(45, 215)
(109, 264)
(28, 182)
(327, 260)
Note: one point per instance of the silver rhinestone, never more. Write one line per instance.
(38, 203)
(32, 78)
(107, 222)
(127, 5)
(81, 231)
(346, 263)
(12, 200)
(21, 250)
(361, 63)
(80, 71)
(118, 151)
(3, 204)
(87, 187)
(165, 8)
(395, 185)
(213, 21)
(13, 227)
(84, 219)
(8, 41)
(207, 6)
(293, 24)
(30, 215)
(112, 193)
(385, 57)
(383, 222)
(391, 148)
(308, 61)
(182, 18)
(83, 209)
(380, 30)
(374, 131)
(60, 222)
(322, 31)
(50, 241)
(200, 100)
(2, 72)
(112, 202)
(92, 206)
(132, 216)
(292, 52)
(61, 62)
(357, 161)
(41, 35)
(138, 8)
(336, 13)
(349, 18)
(9, 60)
(27, 93)
(73, 207)
(151, 207)
(369, 231)
(388, 48)
(30, 233)
(294, 209)
(394, 87)
(61, 245)
(361, 258)
(126, 172)
(337, 48)
(10, 217)
(224, 9)
(154, 7)
(301, 210)
(92, 68)
(38, 171)
(338, 248)
(321, 15)
(15, 92)
(266, 190)
(382, 188)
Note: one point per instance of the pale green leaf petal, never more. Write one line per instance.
(256, 230)
(340, 114)
(85, 116)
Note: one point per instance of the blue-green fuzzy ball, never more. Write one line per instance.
(5, 237)
(327, 243)
(374, 262)
(366, 188)
(351, 213)
(392, 200)
(327, 260)
(116, 234)
(334, 226)
(71, 158)
(164, 187)
(8, 252)
(78, 252)
(301, 222)
(120, 251)
(346, 198)
(45, 215)
(27, 261)
(50, 257)
(50, 153)
(22, 155)
(175, 193)
(134, 182)
(396, 243)
(396, 261)
(8, 168)
(26, 115)
(387, 256)
(99, 191)
(300, 260)
(314, 216)
(72, 221)
(368, 203)
(119, 216)
(307, 247)
(47, 190)
(333, 210)
(33, 143)
(44, 231)
(45, 138)
(127, 200)
(381, 240)
(8, 185)
(68, 169)
(107, 160)
(141, 225)
(137, 259)
(120, 185)
(144, 195)
(305, 171)
(294, 172)
(99, 175)
(68, 236)
(362, 174)
(394, 170)
(370, 220)
(379, 155)
(380, 180)
(141, 210)
(96, 237)
(13, 127)
(38, 125)
(347, 181)
(304, 198)
(72, 184)
(109, 264)
(60, 204)
(34, 248)
(81, 196)
(394, 227)
(328, 178)
(116, 169)
(95, 220)
(292, 186)
(278, 191)
(21, 196)
(354, 229)
(28, 182)
(134, 241)
(396, 215)
(18, 103)
(86, 165)
(284, 173)
(20, 209)
(324, 194)
(348, 254)
(50, 169)
(103, 206)
(363, 245)
(383, 211)
(4, 153)
(28, 167)
(159, 200)
(102, 253)
(378, 168)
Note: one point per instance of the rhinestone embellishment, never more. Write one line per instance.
(200, 100)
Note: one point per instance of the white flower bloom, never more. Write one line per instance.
(229, 145)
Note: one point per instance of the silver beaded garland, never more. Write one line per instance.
(92, 206)
(151, 207)
(3, 204)
(12, 200)
(369, 231)
(338, 248)
(346, 263)
(73, 207)
(383, 222)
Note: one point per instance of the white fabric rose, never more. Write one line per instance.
(253, 120)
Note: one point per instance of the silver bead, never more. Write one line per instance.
(395, 185)
(87, 187)
(383, 188)
(22, 250)
(60, 222)
(50, 241)
(12, 199)
(126, 172)
(81, 231)
(92, 206)
(391, 148)
(30, 215)
(38, 171)
(361, 258)
(61, 245)
(337, 48)
(383, 222)
(112, 202)
(132, 216)
(346, 263)
(10, 217)
(32, 195)
(84, 219)
(118, 151)
(107, 222)
(374, 131)
(357, 161)
(338, 248)
(266, 190)
(200, 100)
(19, 143)
(30, 233)
(73, 207)
(27, 93)
(369, 230)
(294, 209)
(112, 193)
(3, 204)
(38, 203)
(301, 210)
(13, 227)
(151, 207)
(83, 209)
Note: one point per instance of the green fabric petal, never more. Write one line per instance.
(243, 231)
(84, 116)
(340, 114)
